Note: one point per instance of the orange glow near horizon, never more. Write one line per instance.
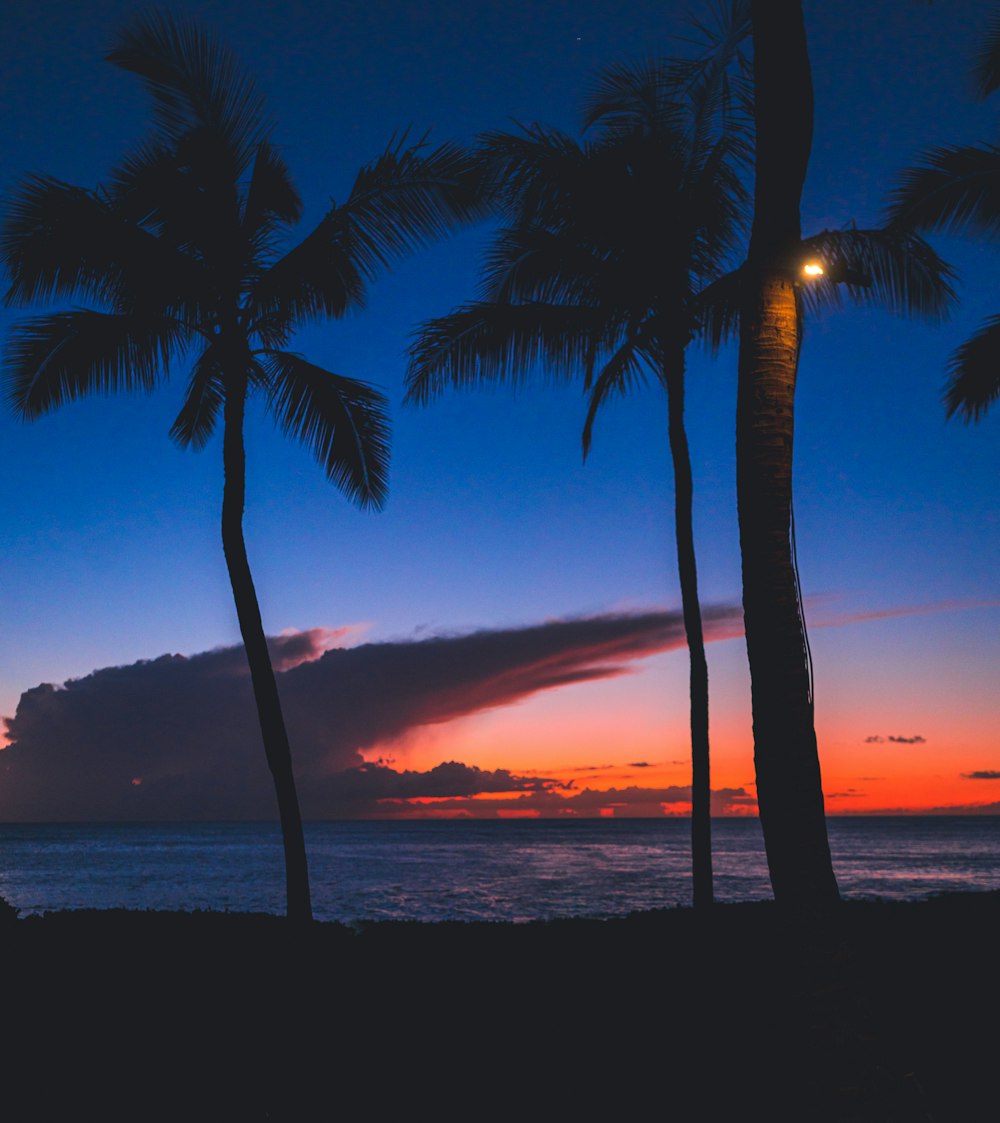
(897, 735)
(594, 752)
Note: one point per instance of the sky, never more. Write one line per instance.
(503, 638)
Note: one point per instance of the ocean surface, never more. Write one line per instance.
(510, 870)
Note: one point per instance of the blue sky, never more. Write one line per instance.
(111, 550)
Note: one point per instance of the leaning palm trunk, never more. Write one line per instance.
(701, 821)
(265, 689)
(789, 787)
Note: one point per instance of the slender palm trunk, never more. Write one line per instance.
(687, 569)
(789, 786)
(265, 689)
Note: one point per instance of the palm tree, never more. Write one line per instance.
(612, 265)
(181, 252)
(958, 188)
(611, 240)
(789, 789)
(889, 267)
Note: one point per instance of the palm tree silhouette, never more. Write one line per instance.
(181, 251)
(610, 242)
(611, 265)
(890, 267)
(958, 188)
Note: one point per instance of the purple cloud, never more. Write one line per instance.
(177, 737)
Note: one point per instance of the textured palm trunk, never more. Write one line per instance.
(687, 569)
(789, 785)
(265, 689)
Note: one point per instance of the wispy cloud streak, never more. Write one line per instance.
(817, 604)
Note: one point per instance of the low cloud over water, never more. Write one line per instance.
(176, 737)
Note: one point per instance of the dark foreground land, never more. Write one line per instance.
(884, 1012)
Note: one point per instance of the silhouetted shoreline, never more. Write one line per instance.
(884, 1011)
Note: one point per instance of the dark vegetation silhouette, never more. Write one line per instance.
(888, 267)
(102, 1015)
(609, 242)
(789, 788)
(612, 262)
(957, 188)
(182, 252)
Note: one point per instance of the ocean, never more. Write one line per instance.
(432, 870)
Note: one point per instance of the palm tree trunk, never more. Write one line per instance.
(265, 689)
(687, 569)
(789, 786)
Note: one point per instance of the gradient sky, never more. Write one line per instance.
(111, 551)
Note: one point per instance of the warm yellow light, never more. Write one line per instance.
(813, 269)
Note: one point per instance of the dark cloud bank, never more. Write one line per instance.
(176, 737)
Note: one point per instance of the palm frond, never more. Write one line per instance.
(533, 264)
(891, 268)
(708, 93)
(531, 173)
(58, 240)
(194, 82)
(631, 196)
(204, 398)
(400, 201)
(974, 374)
(54, 359)
(715, 310)
(344, 423)
(187, 195)
(48, 243)
(638, 97)
(271, 197)
(318, 277)
(955, 188)
(622, 227)
(635, 214)
(620, 374)
(140, 186)
(719, 209)
(717, 80)
(495, 343)
(409, 196)
(986, 71)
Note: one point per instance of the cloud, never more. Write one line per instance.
(359, 791)
(966, 809)
(640, 764)
(916, 739)
(186, 727)
(630, 802)
(837, 621)
(292, 647)
(985, 774)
